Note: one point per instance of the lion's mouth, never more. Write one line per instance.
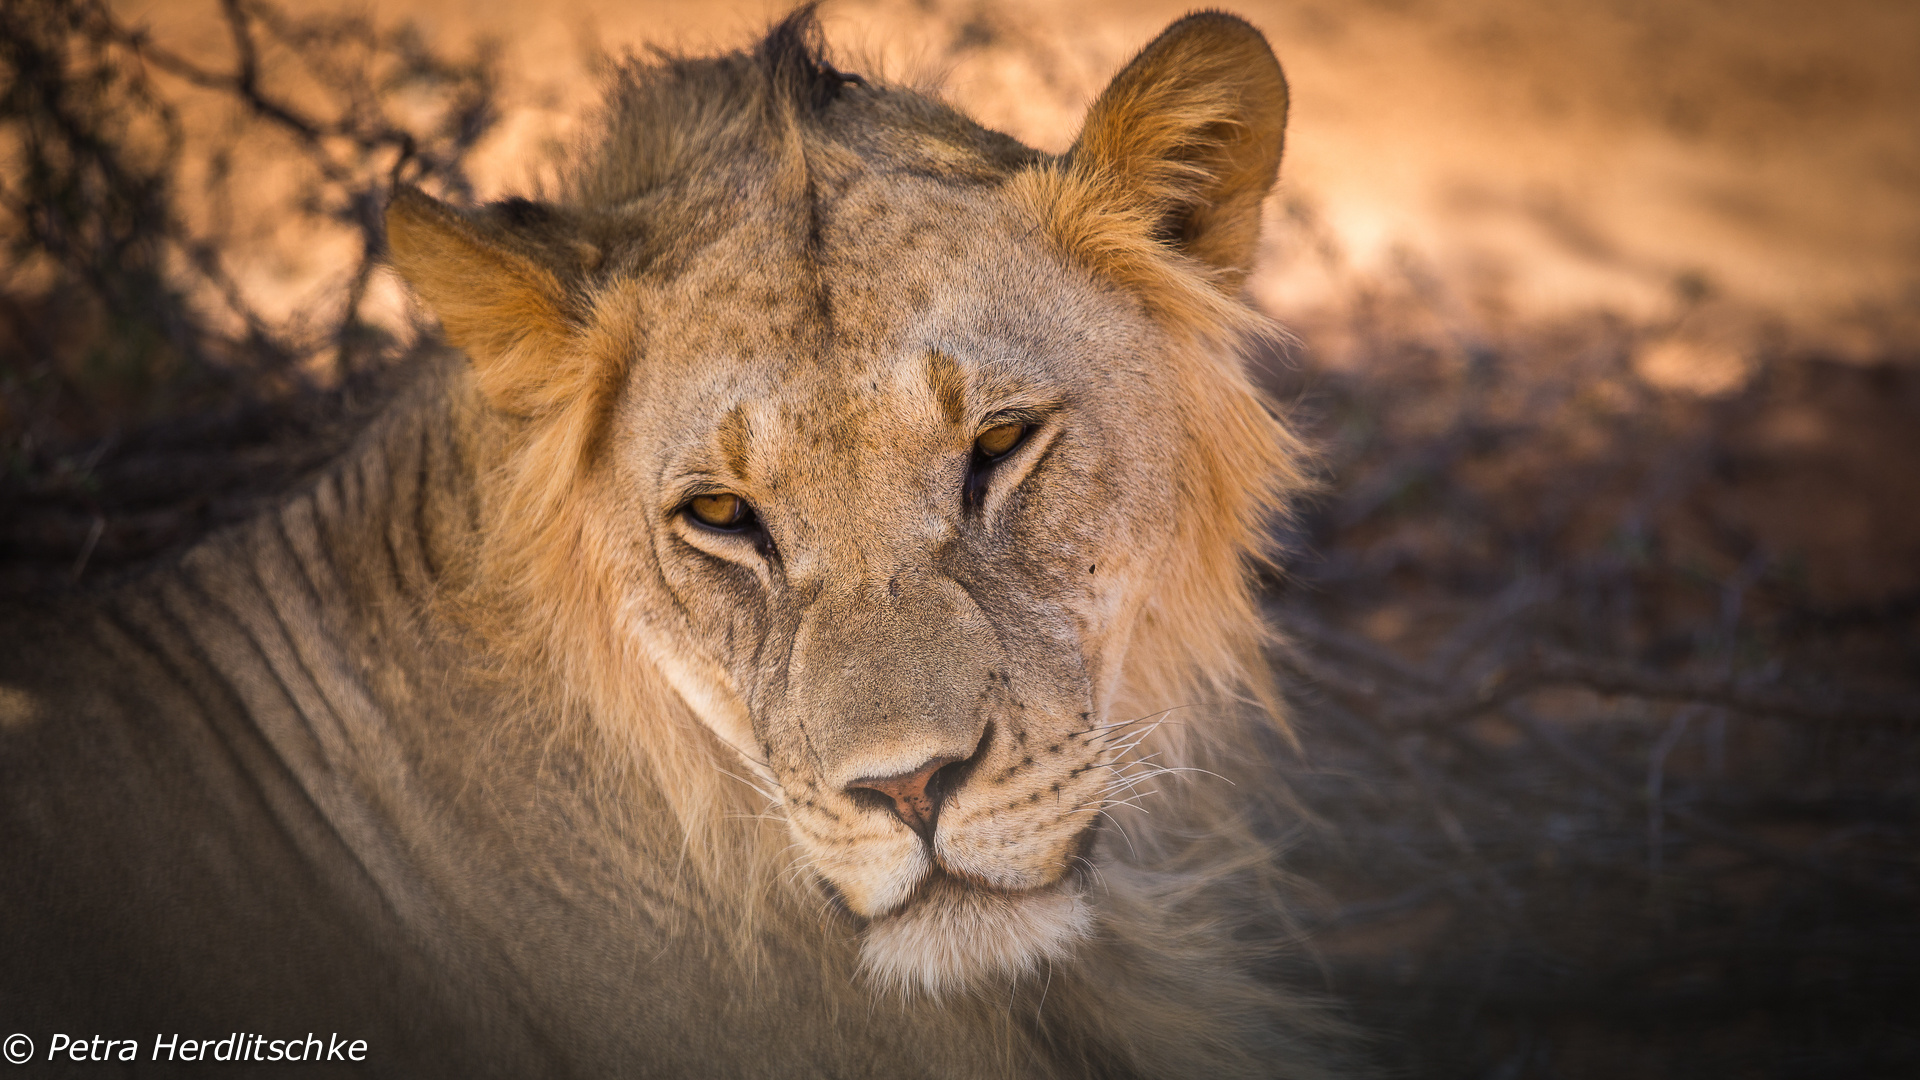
(951, 930)
(942, 883)
(943, 880)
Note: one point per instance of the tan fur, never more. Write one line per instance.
(631, 757)
(1160, 196)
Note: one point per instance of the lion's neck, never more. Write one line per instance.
(402, 504)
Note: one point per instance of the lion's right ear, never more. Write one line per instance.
(1190, 135)
(498, 301)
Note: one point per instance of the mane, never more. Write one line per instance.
(694, 132)
(679, 117)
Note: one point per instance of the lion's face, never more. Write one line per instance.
(893, 509)
(894, 436)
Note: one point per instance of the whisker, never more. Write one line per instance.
(1105, 735)
(1122, 829)
(764, 793)
(1093, 870)
(1170, 769)
(1106, 731)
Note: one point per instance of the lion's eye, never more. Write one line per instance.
(988, 448)
(997, 441)
(721, 511)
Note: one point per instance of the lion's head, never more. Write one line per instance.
(917, 463)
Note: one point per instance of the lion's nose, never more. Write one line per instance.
(915, 795)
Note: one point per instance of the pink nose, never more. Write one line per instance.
(915, 795)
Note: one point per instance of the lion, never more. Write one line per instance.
(746, 648)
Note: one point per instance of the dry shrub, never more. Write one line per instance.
(149, 386)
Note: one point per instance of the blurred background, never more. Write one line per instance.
(1604, 628)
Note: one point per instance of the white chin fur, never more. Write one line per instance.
(953, 937)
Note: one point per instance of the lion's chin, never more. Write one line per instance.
(953, 936)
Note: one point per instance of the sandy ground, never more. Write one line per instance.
(1743, 176)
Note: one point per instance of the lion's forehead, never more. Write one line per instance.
(846, 279)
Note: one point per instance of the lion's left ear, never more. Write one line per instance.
(1191, 131)
(499, 279)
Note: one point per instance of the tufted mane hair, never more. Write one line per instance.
(792, 57)
(676, 116)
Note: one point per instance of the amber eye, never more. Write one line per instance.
(997, 441)
(721, 511)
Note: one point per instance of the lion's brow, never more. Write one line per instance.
(735, 435)
(949, 385)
